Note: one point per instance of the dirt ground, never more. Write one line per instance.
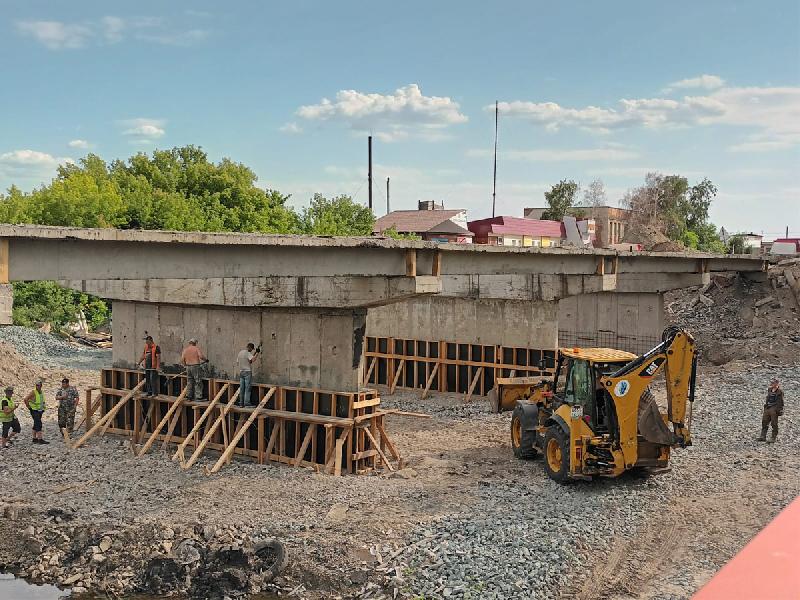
(403, 534)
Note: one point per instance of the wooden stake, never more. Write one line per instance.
(108, 417)
(430, 380)
(302, 452)
(472, 385)
(385, 438)
(378, 448)
(369, 371)
(273, 437)
(400, 369)
(175, 406)
(211, 431)
(337, 455)
(199, 423)
(231, 447)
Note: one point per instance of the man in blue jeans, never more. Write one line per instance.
(244, 361)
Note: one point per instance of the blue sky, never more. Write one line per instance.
(587, 90)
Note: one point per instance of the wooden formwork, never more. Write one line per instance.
(338, 432)
(449, 366)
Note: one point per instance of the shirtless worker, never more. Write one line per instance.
(193, 359)
(773, 408)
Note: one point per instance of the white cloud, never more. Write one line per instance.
(393, 116)
(542, 155)
(82, 144)
(29, 166)
(56, 35)
(143, 130)
(705, 82)
(291, 128)
(773, 112)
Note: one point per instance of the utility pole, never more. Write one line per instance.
(494, 176)
(388, 210)
(369, 173)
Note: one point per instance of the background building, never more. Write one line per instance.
(430, 221)
(609, 221)
(513, 231)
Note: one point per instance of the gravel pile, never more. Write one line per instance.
(51, 352)
(530, 535)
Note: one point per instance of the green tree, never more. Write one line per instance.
(396, 235)
(47, 302)
(560, 199)
(736, 244)
(337, 216)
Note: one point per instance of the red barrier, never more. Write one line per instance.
(768, 568)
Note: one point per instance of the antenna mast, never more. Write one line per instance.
(494, 177)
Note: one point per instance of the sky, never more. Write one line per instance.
(586, 90)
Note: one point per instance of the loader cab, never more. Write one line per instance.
(577, 383)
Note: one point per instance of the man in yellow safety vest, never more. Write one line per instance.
(35, 403)
(9, 422)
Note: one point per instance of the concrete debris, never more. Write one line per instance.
(764, 301)
(705, 300)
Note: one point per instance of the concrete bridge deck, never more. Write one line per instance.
(307, 297)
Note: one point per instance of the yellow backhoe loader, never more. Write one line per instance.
(596, 416)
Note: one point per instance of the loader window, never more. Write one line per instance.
(579, 385)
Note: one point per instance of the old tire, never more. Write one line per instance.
(556, 454)
(272, 557)
(521, 440)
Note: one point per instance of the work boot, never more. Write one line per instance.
(46, 442)
(761, 438)
(772, 439)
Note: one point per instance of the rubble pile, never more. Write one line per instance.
(736, 318)
(125, 557)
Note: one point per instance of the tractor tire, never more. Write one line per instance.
(521, 441)
(556, 454)
(272, 556)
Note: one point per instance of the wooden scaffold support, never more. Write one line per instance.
(223, 413)
(157, 430)
(241, 430)
(106, 420)
(179, 452)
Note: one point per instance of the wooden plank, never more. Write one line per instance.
(301, 453)
(400, 369)
(377, 447)
(365, 454)
(89, 411)
(385, 439)
(108, 417)
(366, 403)
(369, 371)
(198, 423)
(273, 436)
(137, 418)
(337, 457)
(231, 446)
(260, 435)
(223, 413)
(472, 385)
(430, 380)
(329, 442)
(339, 445)
(175, 405)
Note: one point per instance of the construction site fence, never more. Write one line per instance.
(446, 366)
(332, 415)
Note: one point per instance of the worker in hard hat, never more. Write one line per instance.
(151, 360)
(35, 403)
(10, 423)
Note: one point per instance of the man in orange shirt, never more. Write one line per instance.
(151, 358)
(193, 359)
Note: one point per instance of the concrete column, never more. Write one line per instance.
(517, 323)
(319, 348)
(6, 303)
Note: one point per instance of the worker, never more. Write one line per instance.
(244, 361)
(67, 397)
(35, 403)
(9, 421)
(193, 359)
(151, 359)
(773, 408)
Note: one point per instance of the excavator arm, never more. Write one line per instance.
(676, 355)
